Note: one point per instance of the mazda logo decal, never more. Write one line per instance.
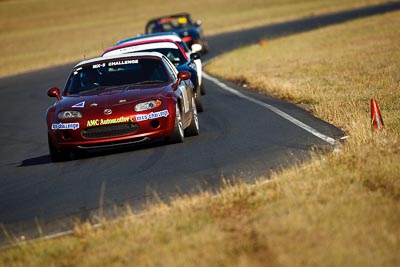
(107, 112)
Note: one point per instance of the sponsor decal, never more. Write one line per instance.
(79, 105)
(123, 62)
(152, 115)
(100, 122)
(63, 126)
(115, 63)
(96, 66)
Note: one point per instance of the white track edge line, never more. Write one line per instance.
(277, 111)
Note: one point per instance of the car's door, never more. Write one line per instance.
(184, 91)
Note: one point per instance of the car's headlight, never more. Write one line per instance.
(148, 105)
(72, 114)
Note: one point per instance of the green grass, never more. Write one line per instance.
(340, 209)
(39, 33)
(348, 202)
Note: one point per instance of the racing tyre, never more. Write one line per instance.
(178, 134)
(197, 99)
(204, 44)
(193, 128)
(202, 90)
(57, 155)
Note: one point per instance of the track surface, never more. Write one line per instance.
(238, 139)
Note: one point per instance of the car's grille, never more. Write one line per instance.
(113, 130)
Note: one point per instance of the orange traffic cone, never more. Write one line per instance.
(376, 118)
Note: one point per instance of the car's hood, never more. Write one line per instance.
(112, 96)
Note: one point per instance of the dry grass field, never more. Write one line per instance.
(41, 33)
(340, 209)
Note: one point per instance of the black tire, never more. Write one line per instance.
(193, 128)
(178, 135)
(57, 155)
(197, 99)
(204, 44)
(202, 90)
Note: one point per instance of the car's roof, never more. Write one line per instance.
(141, 45)
(153, 36)
(157, 36)
(183, 14)
(119, 56)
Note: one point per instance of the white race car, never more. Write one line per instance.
(172, 50)
(196, 48)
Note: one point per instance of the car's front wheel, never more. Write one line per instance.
(193, 128)
(57, 155)
(178, 133)
(202, 90)
(197, 99)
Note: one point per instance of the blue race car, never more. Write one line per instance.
(182, 24)
(174, 37)
(172, 50)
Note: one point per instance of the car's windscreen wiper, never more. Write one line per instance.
(149, 82)
(98, 88)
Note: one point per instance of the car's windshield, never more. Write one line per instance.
(170, 24)
(117, 72)
(174, 55)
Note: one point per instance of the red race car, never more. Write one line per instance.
(121, 100)
(173, 51)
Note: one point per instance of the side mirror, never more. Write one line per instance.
(198, 23)
(182, 75)
(194, 56)
(54, 92)
(196, 48)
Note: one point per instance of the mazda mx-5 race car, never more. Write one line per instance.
(182, 24)
(163, 35)
(174, 37)
(172, 50)
(121, 100)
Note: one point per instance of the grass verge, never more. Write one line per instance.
(340, 209)
(40, 33)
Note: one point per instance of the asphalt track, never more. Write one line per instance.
(239, 140)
